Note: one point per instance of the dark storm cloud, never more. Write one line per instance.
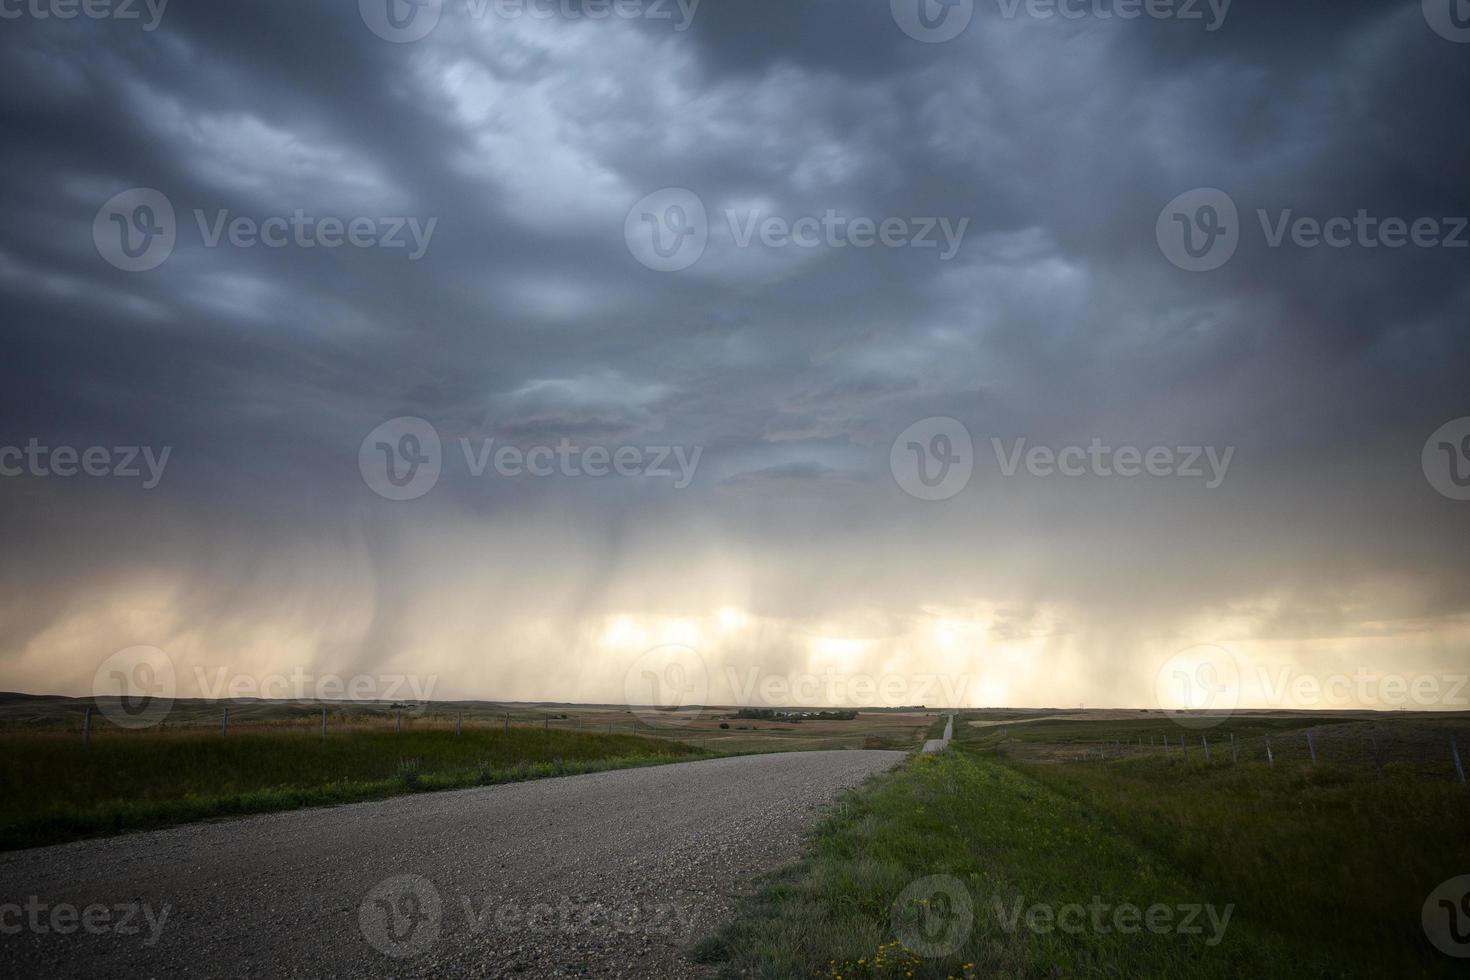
(529, 320)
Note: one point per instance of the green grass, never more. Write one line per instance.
(54, 789)
(1325, 870)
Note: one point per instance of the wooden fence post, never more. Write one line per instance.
(1377, 758)
(87, 727)
(1311, 748)
(398, 722)
(459, 723)
(224, 726)
(1206, 743)
(1269, 757)
(507, 721)
(324, 721)
(1455, 752)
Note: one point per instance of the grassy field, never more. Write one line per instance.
(715, 727)
(1297, 869)
(52, 788)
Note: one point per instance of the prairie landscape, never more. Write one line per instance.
(734, 489)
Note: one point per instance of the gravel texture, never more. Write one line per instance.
(605, 875)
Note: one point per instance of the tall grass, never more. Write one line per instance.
(1326, 869)
(53, 790)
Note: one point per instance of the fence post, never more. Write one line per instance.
(1234, 756)
(1459, 769)
(1269, 757)
(1377, 759)
(1206, 743)
(324, 721)
(87, 727)
(609, 726)
(224, 726)
(1183, 748)
(398, 722)
(546, 724)
(507, 721)
(1311, 748)
(459, 723)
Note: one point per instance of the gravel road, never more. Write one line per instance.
(607, 875)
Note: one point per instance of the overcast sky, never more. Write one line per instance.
(571, 231)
